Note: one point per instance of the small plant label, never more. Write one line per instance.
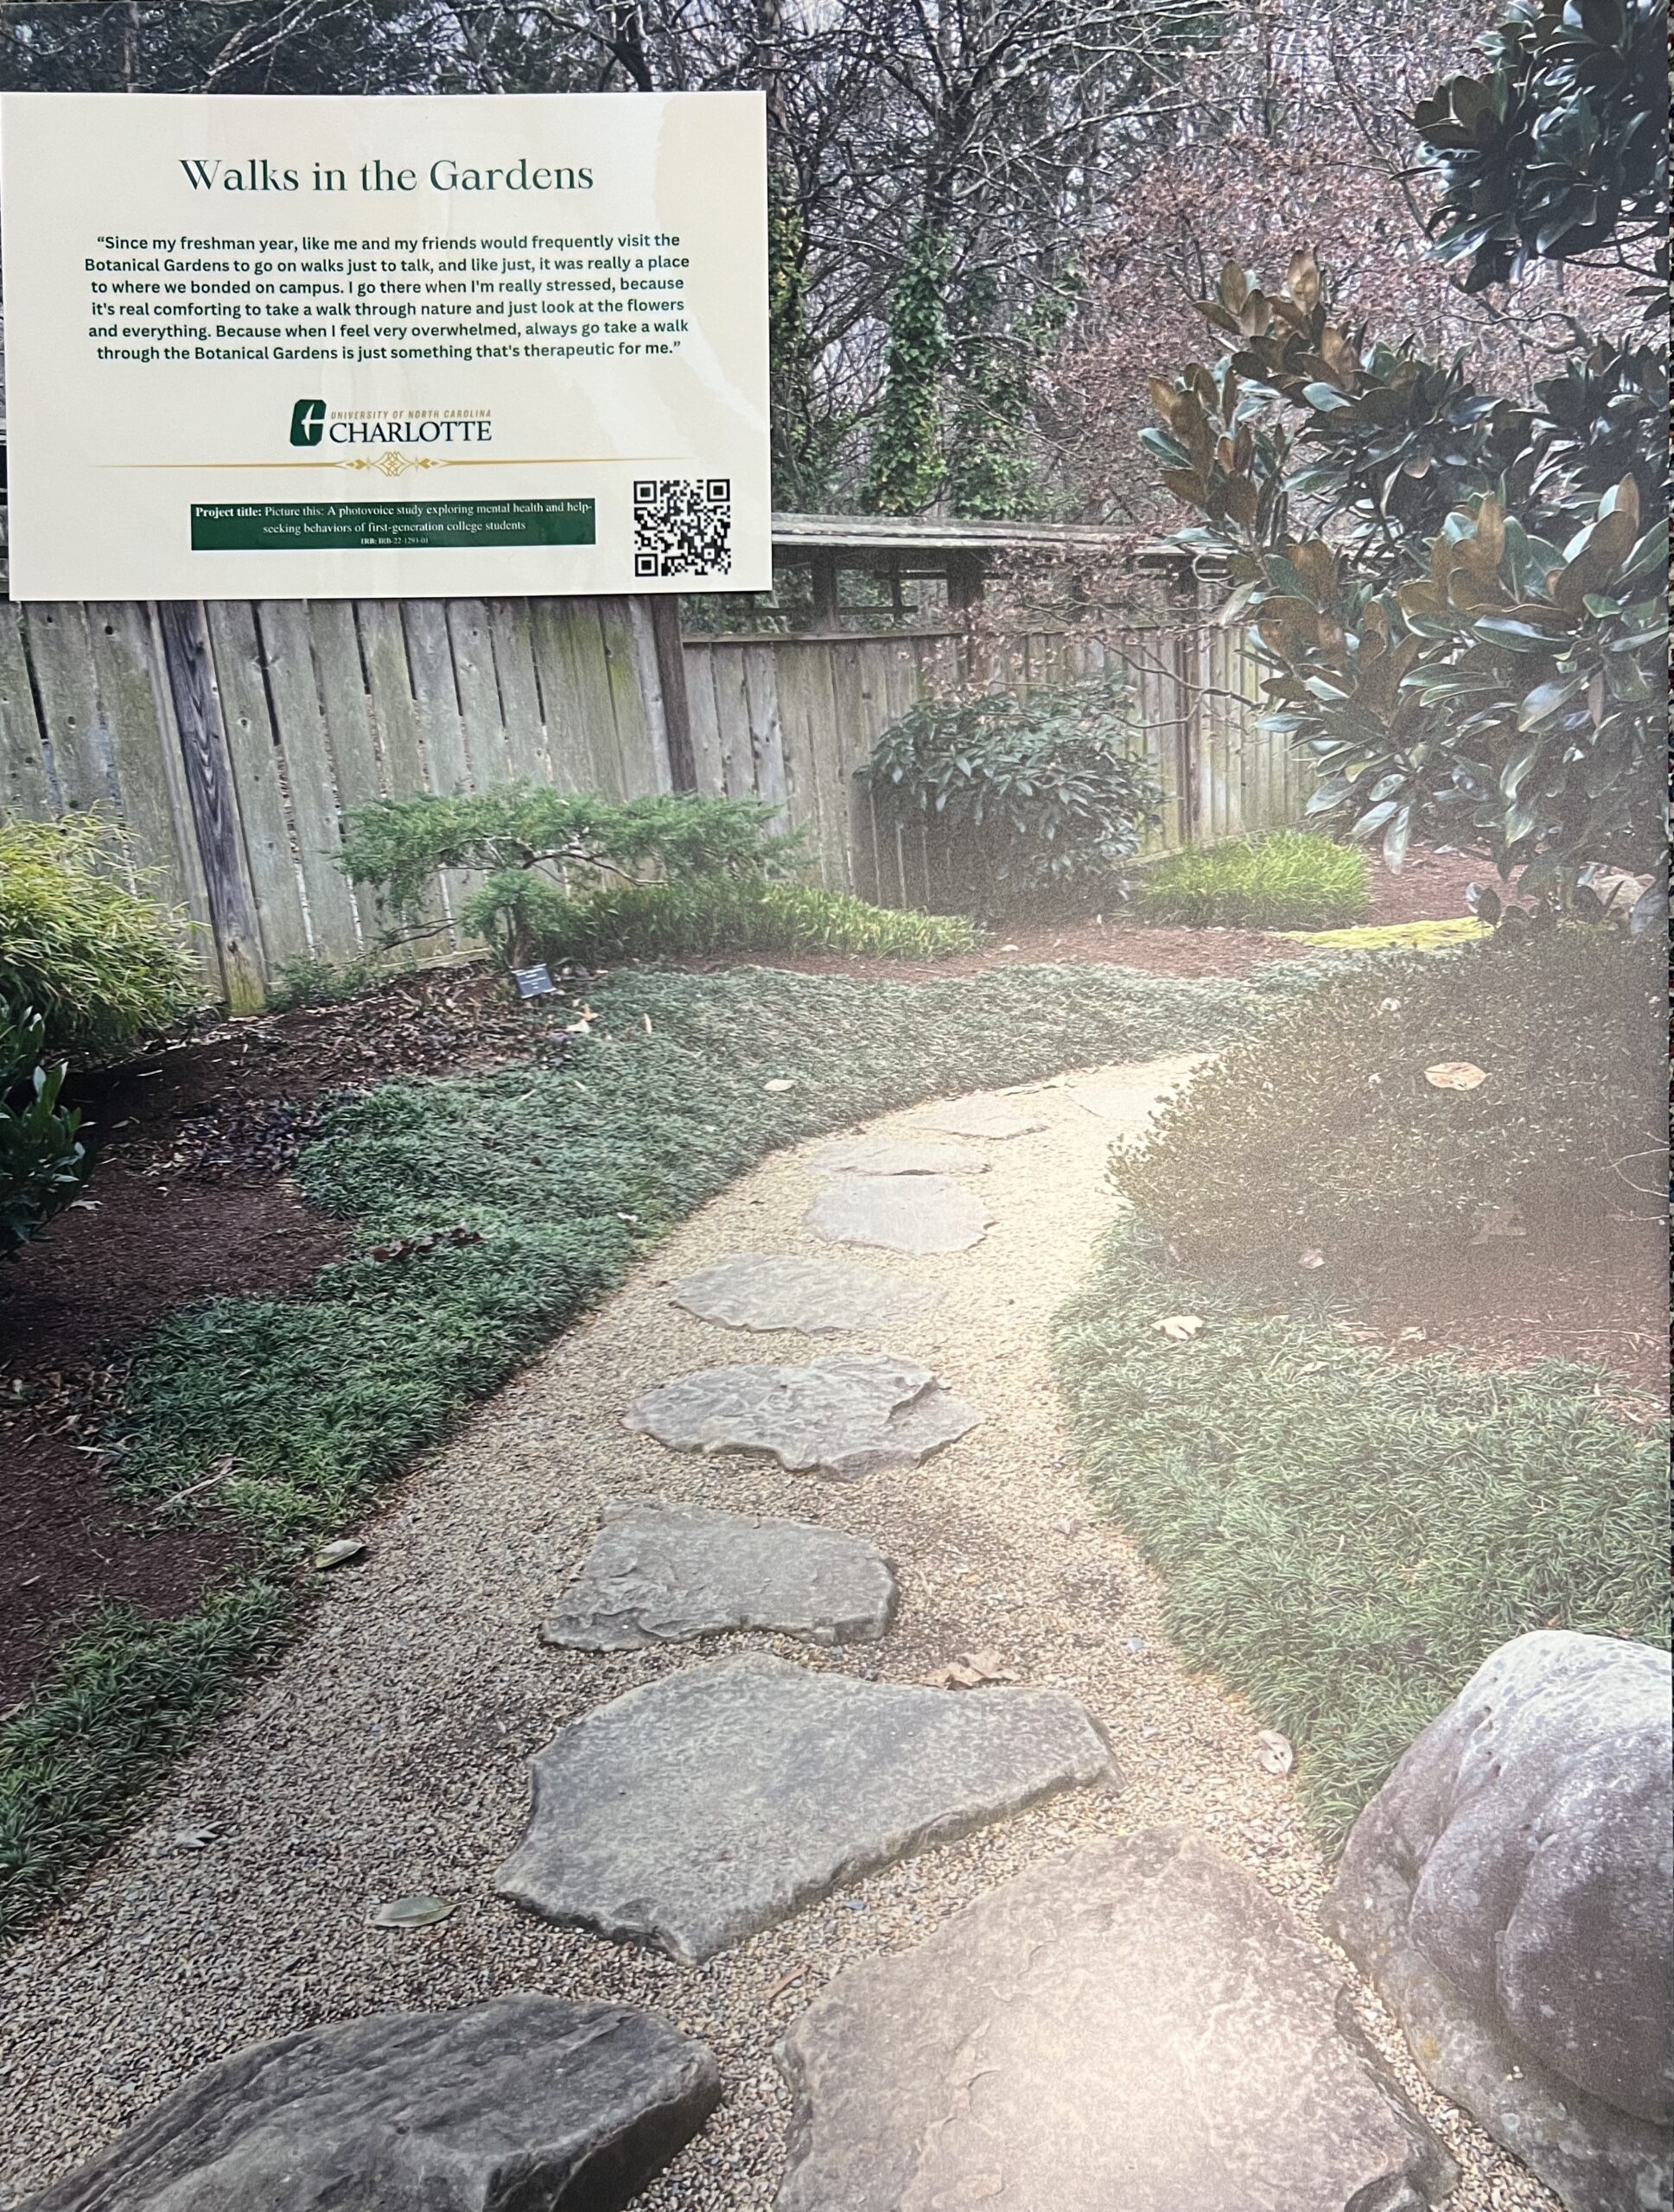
(533, 982)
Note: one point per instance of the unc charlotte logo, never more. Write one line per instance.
(308, 421)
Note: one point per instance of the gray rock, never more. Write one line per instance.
(982, 1117)
(819, 1297)
(1132, 1099)
(657, 1574)
(526, 2102)
(896, 1156)
(716, 1801)
(850, 1415)
(1508, 1891)
(900, 1213)
(1136, 2026)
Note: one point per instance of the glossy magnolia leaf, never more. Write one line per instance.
(411, 1912)
(1455, 1075)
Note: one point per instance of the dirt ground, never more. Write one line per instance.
(191, 1200)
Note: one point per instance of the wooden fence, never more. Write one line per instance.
(324, 705)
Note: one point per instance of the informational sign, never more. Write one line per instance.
(345, 349)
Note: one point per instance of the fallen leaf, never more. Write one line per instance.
(1455, 1075)
(337, 1552)
(780, 1083)
(969, 1671)
(411, 1912)
(786, 1981)
(196, 1839)
(1495, 1222)
(1179, 1328)
(1311, 1258)
(1274, 1754)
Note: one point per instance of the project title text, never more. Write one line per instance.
(258, 175)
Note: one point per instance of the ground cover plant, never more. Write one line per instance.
(504, 1203)
(1328, 1134)
(1024, 803)
(1291, 881)
(43, 1162)
(1345, 1537)
(102, 965)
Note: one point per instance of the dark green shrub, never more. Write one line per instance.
(539, 849)
(103, 966)
(308, 982)
(42, 1162)
(1290, 881)
(729, 914)
(1322, 1131)
(1023, 802)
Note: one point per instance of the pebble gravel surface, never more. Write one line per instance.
(385, 1754)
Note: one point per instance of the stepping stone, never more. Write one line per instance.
(849, 1416)
(901, 1213)
(1133, 1098)
(896, 1156)
(983, 1117)
(1138, 2024)
(657, 1574)
(716, 1801)
(527, 2100)
(819, 1297)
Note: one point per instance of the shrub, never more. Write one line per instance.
(307, 981)
(1290, 881)
(1323, 1132)
(649, 921)
(42, 1162)
(1023, 800)
(539, 848)
(102, 965)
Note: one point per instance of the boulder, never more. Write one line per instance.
(691, 1812)
(527, 2101)
(1509, 1891)
(658, 1573)
(1137, 2025)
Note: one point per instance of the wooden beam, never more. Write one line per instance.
(194, 695)
(671, 676)
(824, 613)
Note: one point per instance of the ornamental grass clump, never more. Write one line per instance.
(1289, 881)
(739, 916)
(104, 967)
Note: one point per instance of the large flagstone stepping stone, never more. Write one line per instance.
(982, 1117)
(900, 1213)
(716, 1801)
(658, 1573)
(896, 1156)
(526, 2101)
(1137, 2025)
(850, 1415)
(1132, 1098)
(819, 1297)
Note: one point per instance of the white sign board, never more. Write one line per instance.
(345, 349)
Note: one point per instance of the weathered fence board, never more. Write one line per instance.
(233, 759)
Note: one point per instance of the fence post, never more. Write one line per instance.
(671, 677)
(196, 696)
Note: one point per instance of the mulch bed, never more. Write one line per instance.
(191, 1200)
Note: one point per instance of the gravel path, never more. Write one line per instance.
(385, 1754)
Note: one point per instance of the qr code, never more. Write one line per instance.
(682, 526)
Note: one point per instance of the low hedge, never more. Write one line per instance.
(1322, 1132)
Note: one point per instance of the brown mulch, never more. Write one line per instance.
(1431, 887)
(1598, 1294)
(191, 1199)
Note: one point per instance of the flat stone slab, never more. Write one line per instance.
(897, 1156)
(716, 1801)
(658, 1573)
(527, 2101)
(1132, 1100)
(819, 1297)
(1137, 2025)
(850, 1415)
(982, 1117)
(900, 1213)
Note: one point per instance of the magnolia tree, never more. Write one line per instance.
(1459, 597)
